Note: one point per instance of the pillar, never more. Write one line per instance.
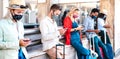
(107, 6)
(43, 9)
(1, 8)
(117, 27)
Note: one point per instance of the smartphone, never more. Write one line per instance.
(26, 40)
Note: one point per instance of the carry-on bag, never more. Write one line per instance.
(93, 54)
(63, 52)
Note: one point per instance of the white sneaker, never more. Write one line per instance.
(93, 53)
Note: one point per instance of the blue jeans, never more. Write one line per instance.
(82, 52)
(98, 43)
(21, 54)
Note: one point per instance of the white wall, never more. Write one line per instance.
(117, 26)
(3, 7)
(1, 10)
(72, 1)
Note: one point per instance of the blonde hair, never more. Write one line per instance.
(72, 11)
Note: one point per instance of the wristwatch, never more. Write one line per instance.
(75, 29)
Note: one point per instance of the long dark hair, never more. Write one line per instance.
(100, 15)
(64, 15)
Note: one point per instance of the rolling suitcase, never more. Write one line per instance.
(93, 54)
(63, 48)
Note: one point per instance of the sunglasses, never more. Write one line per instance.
(19, 6)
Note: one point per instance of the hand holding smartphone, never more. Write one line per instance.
(26, 40)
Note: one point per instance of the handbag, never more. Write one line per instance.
(21, 54)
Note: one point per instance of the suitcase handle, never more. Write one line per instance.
(63, 50)
(105, 37)
(91, 38)
(60, 45)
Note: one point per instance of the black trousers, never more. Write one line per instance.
(102, 34)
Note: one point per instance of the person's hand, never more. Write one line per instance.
(24, 42)
(80, 28)
(62, 31)
(107, 26)
(96, 31)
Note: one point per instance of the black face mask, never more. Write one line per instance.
(17, 17)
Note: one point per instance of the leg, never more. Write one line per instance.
(52, 53)
(103, 37)
(80, 56)
(104, 49)
(101, 33)
(108, 39)
(96, 42)
(79, 48)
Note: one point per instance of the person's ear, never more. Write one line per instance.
(12, 11)
(52, 12)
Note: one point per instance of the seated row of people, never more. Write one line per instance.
(71, 30)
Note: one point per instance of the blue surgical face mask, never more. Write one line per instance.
(93, 17)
